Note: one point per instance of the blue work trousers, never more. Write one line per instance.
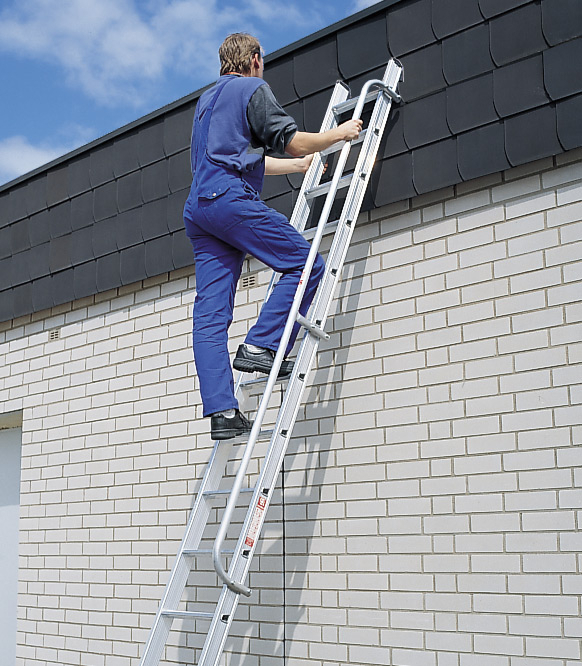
(223, 229)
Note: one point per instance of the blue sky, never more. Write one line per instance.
(74, 70)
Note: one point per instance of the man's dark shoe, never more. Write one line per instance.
(248, 361)
(225, 427)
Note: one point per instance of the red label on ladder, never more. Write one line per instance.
(255, 522)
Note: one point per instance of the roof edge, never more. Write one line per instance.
(285, 50)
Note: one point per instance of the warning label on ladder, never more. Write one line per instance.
(256, 521)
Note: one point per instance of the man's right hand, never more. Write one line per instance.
(349, 130)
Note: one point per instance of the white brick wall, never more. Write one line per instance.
(432, 494)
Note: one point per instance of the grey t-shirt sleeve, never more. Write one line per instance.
(269, 123)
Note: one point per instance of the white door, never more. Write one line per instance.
(10, 456)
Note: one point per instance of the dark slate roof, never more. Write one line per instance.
(489, 84)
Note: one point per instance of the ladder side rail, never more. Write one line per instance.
(181, 569)
(353, 203)
(313, 176)
(291, 319)
(346, 225)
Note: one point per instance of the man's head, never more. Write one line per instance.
(241, 53)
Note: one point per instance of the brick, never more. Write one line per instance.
(516, 188)
(564, 215)
(488, 216)
(482, 255)
(564, 254)
(521, 226)
(564, 648)
(569, 293)
(530, 204)
(569, 193)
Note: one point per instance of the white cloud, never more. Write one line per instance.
(116, 51)
(19, 156)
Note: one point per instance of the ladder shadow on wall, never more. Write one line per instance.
(306, 482)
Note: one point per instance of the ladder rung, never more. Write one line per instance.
(191, 615)
(263, 434)
(207, 551)
(350, 104)
(227, 491)
(325, 187)
(340, 144)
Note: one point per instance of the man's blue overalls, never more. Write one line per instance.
(225, 219)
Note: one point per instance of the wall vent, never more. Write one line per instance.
(55, 334)
(249, 281)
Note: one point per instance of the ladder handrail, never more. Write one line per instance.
(241, 588)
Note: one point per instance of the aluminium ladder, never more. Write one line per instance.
(383, 92)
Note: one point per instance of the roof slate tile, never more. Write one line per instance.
(132, 264)
(425, 120)
(36, 191)
(176, 203)
(393, 140)
(79, 175)
(85, 279)
(6, 271)
(42, 293)
(6, 305)
(435, 166)
(517, 34)
(108, 272)
(128, 231)
(82, 246)
(104, 237)
(182, 254)
(179, 173)
(532, 136)
(155, 181)
(450, 16)
(158, 256)
(563, 69)
(410, 26)
(423, 73)
(363, 46)
(392, 180)
(101, 165)
(17, 204)
(316, 68)
(63, 287)
(519, 86)
(178, 129)
(57, 185)
(154, 219)
(21, 268)
(279, 76)
(82, 211)
(561, 20)
(19, 236)
(314, 108)
(39, 261)
(23, 303)
(467, 54)
(129, 191)
(569, 126)
(124, 154)
(60, 253)
(470, 104)
(150, 142)
(491, 8)
(105, 201)
(59, 219)
(39, 229)
(482, 151)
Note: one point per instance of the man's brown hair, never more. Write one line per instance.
(236, 53)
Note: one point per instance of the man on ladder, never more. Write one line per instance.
(235, 122)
